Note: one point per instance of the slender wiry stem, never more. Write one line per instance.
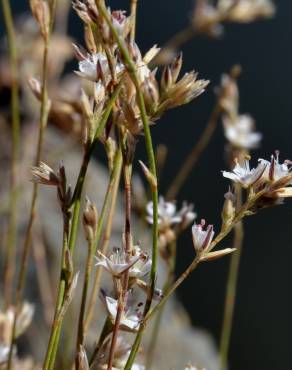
(9, 268)
(80, 334)
(134, 4)
(194, 155)
(75, 203)
(76, 199)
(113, 191)
(127, 170)
(151, 159)
(158, 321)
(230, 296)
(44, 112)
(55, 330)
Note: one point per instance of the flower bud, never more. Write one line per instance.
(90, 219)
(41, 13)
(228, 210)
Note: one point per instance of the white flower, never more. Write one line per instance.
(202, 238)
(143, 266)
(240, 132)
(168, 215)
(274, 170)
(131, 317)
(244, 175)
(4, 352)
(117, 262)
(95, 67)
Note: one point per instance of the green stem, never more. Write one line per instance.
(80, 335)
(231, 288)
(56, 326)
(127, 170)
(76, 199)
(11, 242)
(150, 154)
(44, 112)
(134, 4)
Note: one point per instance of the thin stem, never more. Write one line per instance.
(231, 288)
(56, 326)
(150, 154)
(80, 335)
(76, 199)
(194, 155)
(113, 191)
(9, 268)
(44, 112)
(134, 4)
(127, 169)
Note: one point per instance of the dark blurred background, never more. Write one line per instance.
(261, 339)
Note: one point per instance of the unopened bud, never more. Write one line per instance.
(90, 219)
(228, 210)
(151, 94)
(176, 67)
(41, 13)
(35, 87)
(149, 175)
(217, 254)
(166, 79)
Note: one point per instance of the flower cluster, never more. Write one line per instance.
(106, 67)
(271, 179)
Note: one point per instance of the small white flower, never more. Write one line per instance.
(95, 67)
(202, 238)
(143, 266)
(117, 262)
(244, 175)
(241, 133)
(167, 213)
(131, 317)
(274, 170)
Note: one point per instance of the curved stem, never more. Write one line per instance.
(9, 268)
(194, 155)
(231, 288)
